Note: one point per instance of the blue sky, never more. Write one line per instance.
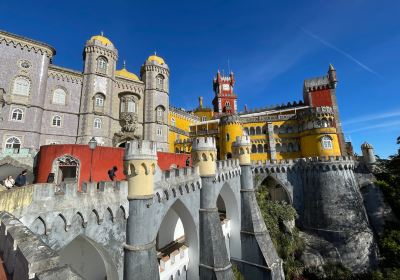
(272, 46)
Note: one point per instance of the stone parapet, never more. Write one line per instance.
(204, 144)
(140, 150)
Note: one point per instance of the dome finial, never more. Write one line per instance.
(101, 33)
(124, 64)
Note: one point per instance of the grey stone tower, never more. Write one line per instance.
(214, 260)
(368, 153)
(100, 57)
(140, 249)
(257, 248)
(155, 75)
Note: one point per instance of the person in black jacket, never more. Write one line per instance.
(20, 181)
(111, 173)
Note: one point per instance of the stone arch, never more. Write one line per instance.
(89, 259)
(179, 212)
(230, 211)
(39, 226)
(277, 191)
(110, 213)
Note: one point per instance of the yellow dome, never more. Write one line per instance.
(126, 74)
(105, 41)
(156, 58)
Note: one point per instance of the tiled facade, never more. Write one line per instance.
(79, 115)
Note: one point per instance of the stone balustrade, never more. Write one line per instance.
(175, 264)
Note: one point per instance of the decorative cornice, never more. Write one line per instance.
(65, 75)
(134, 86)
(25, 43)
(183, 114)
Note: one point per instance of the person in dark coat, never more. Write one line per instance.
(20, 181)
(112, 173)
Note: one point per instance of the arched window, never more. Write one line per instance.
(160, 82)
(203, 118)
(56, 121)
(159, 131)
(99, 100)
(290, 147)
(278, 148)
(289, 129)
(265, 148)
(173, 122)
(276, 129)
(59, 96)
(13, 143)
(227, 137)
(102, 64)
(252, 131)
(258, 130)
(260, 149)
(131, 106)
(227, 104)
(17, 114)
(97, 123)
(284, 148)
(326, 142)
(246, 131)
(253, 148)
(21, 86)
(159, 113)
(324, 123)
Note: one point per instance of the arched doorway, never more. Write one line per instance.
(177, 244)
(276, 190)
(229, 215)
(66, 169)
(89, 259)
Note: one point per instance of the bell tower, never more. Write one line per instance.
(225, 100)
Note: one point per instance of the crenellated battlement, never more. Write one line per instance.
(204, 144)
(175, 182)
(242, 141)
(140, 150)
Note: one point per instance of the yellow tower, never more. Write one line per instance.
(139, 167)
(230, 128)
(241, 149)
(318, 136)
(204, 154)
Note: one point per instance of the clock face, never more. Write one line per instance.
(225, 87)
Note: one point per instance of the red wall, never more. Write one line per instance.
(104, 158)
(321, 98)
(165, 160)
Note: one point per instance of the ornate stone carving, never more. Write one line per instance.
(128, 121)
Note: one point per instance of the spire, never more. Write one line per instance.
(331, 68)
(124, 64)
(101, 33)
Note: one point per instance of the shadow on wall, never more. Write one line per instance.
(89, 259)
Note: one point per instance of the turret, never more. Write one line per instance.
(230, 128)
(100, 58)
(368, 153)
(241, 149)
(140, 161)
(204, 154)
(155, 75)
(332, 76)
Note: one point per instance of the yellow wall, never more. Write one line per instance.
(181, 122)
(311, 145)
(204, 113)
(234, 129)
(15, 198)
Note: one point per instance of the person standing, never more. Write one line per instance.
(9, 182)
(112, 173)
(20, 181)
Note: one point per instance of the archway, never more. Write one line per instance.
(177, 244)
(89, 259)
(66, 168)
(276, 190)
(228, 210)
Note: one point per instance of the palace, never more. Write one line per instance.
(183, 203)
(42, 104)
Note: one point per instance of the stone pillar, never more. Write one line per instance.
(214, 260)
(368, 153)
(257, 246)
(140, 252)
(271, 140)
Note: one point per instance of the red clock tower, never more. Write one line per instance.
(225, 100)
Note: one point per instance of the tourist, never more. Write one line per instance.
(188, 162)
(111, 173)
(20, 181)
(9, 182)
